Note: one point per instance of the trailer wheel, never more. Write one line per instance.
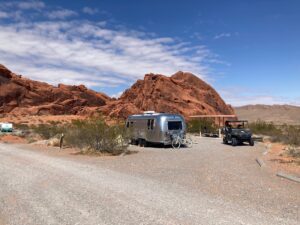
(140, 142)
(146, 143)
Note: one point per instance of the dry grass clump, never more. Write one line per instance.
(293, 152)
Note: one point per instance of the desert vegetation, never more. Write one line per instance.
(92, 135)
(286, 134)
(204, 125)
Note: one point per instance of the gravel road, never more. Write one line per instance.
(210, 183)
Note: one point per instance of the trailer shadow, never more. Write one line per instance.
(160, 146)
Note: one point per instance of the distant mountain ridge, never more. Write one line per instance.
(278, 114)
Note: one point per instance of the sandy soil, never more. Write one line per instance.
(278, 160)
(11, 139)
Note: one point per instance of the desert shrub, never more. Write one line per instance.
(294, 152)
(48, 131)
(95, 134)
(203, 125)
(286, 134)
(290, 135)
(21, 126)
(265, 128)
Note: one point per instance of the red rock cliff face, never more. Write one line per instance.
(182, 93)
(22, 96)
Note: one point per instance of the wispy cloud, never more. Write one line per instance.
(24, 5)
(77, 51)
(90, 11)
(4, 15)
(117, 95)
(241, 96)
(222, 35)
(61, 14)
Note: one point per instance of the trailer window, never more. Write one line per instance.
(150, 124)
(174, 125)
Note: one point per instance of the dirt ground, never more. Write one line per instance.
(278, 160)
(210, 183)
(12, 139)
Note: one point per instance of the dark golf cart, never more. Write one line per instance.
(236, 132)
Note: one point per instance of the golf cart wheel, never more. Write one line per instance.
(176, 143)
(251, 142)
(225, 141)
(234, 142)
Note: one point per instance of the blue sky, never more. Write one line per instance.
(248, 50)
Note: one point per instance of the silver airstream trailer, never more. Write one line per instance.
(151, 127)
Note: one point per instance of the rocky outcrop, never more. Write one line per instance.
(23, 96)
(182, 93)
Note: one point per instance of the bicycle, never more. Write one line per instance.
(178, 141)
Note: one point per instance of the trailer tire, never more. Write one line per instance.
(146, 143)
(140, 142)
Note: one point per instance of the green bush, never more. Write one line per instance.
(203, 125)
(291, 135)
(21, 126)
(48, 131)
(264, 128)
(286, 134)
(95, 134)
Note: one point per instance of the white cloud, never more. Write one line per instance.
(24, 5)
(92, 53)
(222, 35)
(61, 14)
(90, 11)
(31, 5)
(117, 95)
(4, 15)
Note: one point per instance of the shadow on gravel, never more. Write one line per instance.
(161, 146)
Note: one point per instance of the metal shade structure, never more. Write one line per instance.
(219, 117)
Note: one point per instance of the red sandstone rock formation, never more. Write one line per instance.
(21, 96)
(182, 93)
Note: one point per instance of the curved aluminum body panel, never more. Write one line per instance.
(154, 127)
